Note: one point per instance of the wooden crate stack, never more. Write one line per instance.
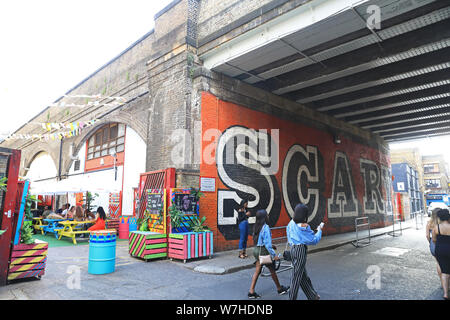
(28, 260)
(190, 245)
(147, 245)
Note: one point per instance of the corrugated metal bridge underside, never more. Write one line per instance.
(393, 81)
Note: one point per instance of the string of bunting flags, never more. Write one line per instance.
(75, 128)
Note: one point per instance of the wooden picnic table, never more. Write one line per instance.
(38, 225)
(52, 226)
(72, 228)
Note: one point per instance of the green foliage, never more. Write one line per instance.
(144, 225)
(26, 233)
(196, 224)
(176, 216)
(3, 183)
(30, 200)
(196, 193)
(90, 198)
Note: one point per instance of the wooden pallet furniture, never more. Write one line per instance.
(28, 260)
(190, 245)
(147, 245)
(72, 228)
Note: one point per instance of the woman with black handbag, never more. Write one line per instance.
(299, 235)
(264, 254)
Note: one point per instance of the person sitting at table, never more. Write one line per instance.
(65, 209)
(89, 215)
(100, 220)
(46, 212)
(79, 214)
(71, 213)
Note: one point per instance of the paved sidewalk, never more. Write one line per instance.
(228, 261)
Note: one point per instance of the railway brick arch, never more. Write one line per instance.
(30, 154)
(79, 142)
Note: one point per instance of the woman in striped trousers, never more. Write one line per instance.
(299, 235)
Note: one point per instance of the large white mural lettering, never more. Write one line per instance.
(247, 163)
(301, 181)
(343, 201)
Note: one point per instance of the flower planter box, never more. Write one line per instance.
(147, 245)
(28, 260)
(190, 245)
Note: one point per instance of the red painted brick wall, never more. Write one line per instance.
(223, 115)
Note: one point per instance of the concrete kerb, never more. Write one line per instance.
(228, 262)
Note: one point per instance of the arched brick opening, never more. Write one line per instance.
(29, 155)
(79, 141)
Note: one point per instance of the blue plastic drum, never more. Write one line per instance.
(132, 224)
(102, 252)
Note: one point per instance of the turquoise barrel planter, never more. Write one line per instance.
(102, 252)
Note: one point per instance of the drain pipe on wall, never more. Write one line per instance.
(60, 159)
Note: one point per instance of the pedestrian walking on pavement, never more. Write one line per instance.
(441, 237)
(299, 235)
(432, 223)
(263, 239)
(243, 215)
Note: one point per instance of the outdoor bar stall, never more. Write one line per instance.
(189, 238)
(78, 193)
(150, 240)
(168, 221)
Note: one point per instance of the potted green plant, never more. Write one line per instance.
(176, 216)
(26, 233)
(90, 198)
(196, 224)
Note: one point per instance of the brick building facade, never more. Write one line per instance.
(345, 172)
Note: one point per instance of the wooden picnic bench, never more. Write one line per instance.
(70, 229)
(38, 225)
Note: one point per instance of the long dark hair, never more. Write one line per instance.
(101, 213)
(443, 215)
(243, 202)
(261, 220)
